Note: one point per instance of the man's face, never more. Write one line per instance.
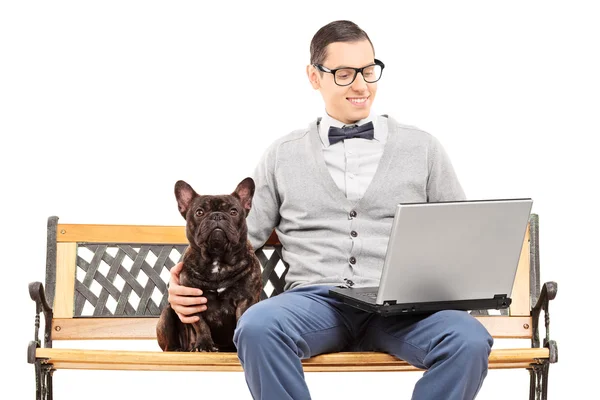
(351, 103)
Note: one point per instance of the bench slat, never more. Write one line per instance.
(504, 327)
(238, 368)
(520, 291)
(66, 258)
(93, 233)
(156, 234)
(345, 361)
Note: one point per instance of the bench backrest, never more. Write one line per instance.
(110, 281)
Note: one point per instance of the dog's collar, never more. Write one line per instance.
(239, 275)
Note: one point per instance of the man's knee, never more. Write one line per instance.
(257, 325)
(468, 336)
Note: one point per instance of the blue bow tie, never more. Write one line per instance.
(337, 134)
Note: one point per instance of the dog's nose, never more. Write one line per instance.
(217, 216)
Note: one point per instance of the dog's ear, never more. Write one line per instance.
(184, 194)
(245, 191)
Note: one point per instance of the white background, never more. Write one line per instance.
(104, 105)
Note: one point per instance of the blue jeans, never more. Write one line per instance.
(275, 334)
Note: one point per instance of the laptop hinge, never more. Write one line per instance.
(502, 300)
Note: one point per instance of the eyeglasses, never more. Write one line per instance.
(345, 76)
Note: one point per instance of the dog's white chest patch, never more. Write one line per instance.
(216, 267)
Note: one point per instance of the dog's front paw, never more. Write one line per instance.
(206, 347)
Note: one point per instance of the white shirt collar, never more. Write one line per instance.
(326, 121)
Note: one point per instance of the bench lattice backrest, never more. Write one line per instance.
(127, 278)
(122, 271)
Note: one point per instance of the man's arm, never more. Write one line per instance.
(264, 214)
(185, 301)
(442, 182)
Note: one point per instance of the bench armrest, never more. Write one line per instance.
(36, 292)
(547, 293)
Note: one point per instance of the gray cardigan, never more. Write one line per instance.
(326, 238)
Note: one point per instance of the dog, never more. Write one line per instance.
(221, 262)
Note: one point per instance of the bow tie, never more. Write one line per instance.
(337, 134)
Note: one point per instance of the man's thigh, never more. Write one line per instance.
(306, 316)
(411, 338)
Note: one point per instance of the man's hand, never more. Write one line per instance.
(185, 300)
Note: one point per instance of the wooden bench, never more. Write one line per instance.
(110, 282)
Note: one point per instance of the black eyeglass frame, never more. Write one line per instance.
(356, 71)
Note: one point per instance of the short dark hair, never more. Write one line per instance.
(336, 31)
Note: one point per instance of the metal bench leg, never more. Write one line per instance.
(545, 371)
(49, 383)
(43, 381)
(538, 381)
(38, 380)
(532, 384)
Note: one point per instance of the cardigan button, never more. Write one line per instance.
(354, 234)
(352, 214)
(352, 260)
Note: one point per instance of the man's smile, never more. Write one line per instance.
(357, 101)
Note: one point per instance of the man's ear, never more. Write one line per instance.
(313, 77)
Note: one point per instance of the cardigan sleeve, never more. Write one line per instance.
(264, 214)
(442, 182)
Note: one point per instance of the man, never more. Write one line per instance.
(331, 195)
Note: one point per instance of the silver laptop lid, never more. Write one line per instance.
(453, 250)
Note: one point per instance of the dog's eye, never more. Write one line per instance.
(199, 212)
(233, 212)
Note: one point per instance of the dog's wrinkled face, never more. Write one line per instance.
(216, 224)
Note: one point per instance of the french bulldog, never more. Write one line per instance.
(221, 262)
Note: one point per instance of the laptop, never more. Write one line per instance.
(456, 255)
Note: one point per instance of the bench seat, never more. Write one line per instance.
(333, 362)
